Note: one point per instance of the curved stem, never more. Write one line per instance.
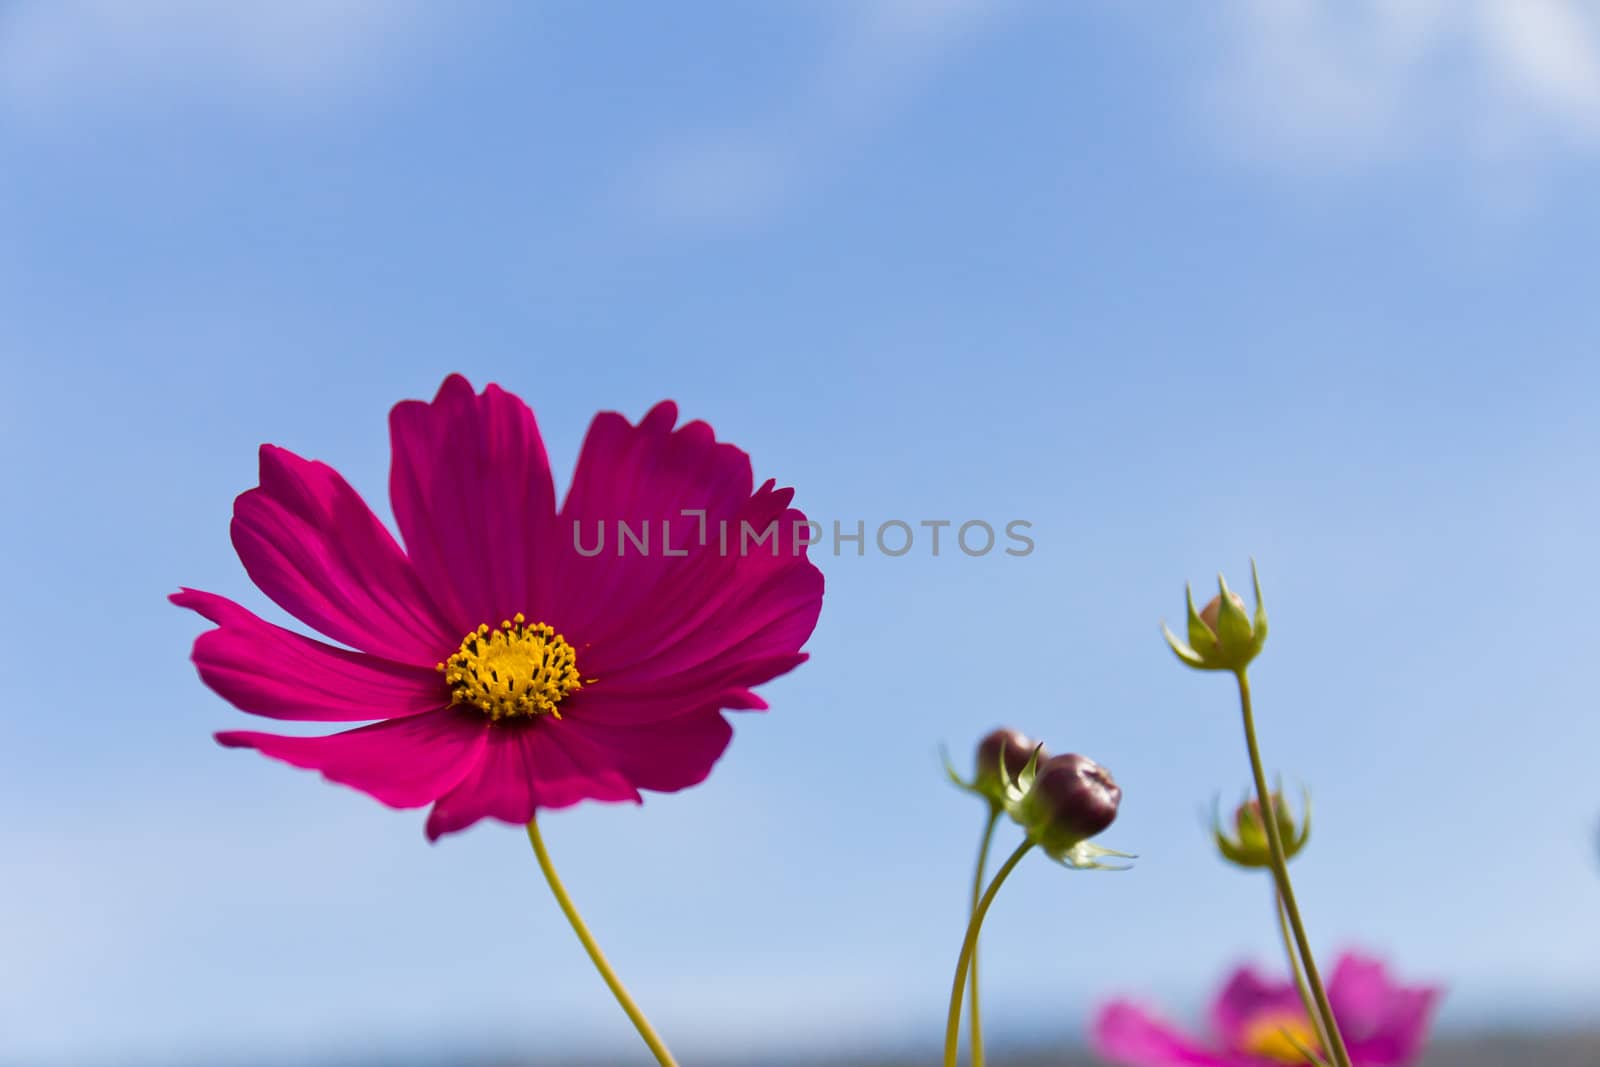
(640, 1023)
(1280, 874)
(1299, 973)
(952, 1027)
(975, 1024)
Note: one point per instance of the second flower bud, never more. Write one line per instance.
(1249, 847)
(1071, 799)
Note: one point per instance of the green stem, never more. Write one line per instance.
(975, 1030)
(1306, 1000)
(1280, 874)
(640, 1023)
(952, 1028)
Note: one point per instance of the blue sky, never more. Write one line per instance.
(1308, 282)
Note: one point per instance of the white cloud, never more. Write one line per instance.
(881, 52)
(60, 53)
(1547, 54)
(1325, 85)
(1351, 83)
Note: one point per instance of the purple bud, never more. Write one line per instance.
(1013, 747)
(1073, 798)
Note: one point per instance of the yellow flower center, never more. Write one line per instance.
(1276, 1036)
(514, 671)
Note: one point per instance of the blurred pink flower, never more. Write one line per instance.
(1384, 1024)
(510, 670)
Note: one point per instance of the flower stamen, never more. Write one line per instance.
(1280, 1037)
(516, 670)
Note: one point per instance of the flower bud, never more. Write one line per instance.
(1072, 799)
(1249, 846)
(1223, 636)
(1208, 614)
(1002, 755)
(1006, 760)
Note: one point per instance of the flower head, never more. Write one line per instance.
(1248, 847)
(1222, 635)
(1260, 1023)
(505, 665)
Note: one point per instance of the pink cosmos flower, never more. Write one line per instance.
(1384, 1024)
(510, 666)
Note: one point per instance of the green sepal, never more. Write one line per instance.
(1085, 856)
(1235, 639)
(1232, 851)
(1188, 656)
(950, 768)
(1260, 625)
(1014, 789)
(1201, 638)
(1290, 848)
(961, 783)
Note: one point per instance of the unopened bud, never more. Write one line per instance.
(1249, 846)
(1072, 799)
(1006, 760)
(1208, 614)
(1002, 755)
(1222, 636)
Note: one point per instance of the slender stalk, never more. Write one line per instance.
(952, 1028)
(1306, 1000)
(1280, 874)
(640, 1023)
(975, 1025)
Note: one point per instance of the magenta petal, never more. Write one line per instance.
(718, 606)
(1124, 1033)
(1383, 1023)
(1247, 997)
(525, 768)
(267, 670)
(642, 476)
(668, 636)
(404, 763)
(472, 494)
(1360, 991)
(312, 545)
(575, 769)
(665, 756)
(760, 622)
(643, 703)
